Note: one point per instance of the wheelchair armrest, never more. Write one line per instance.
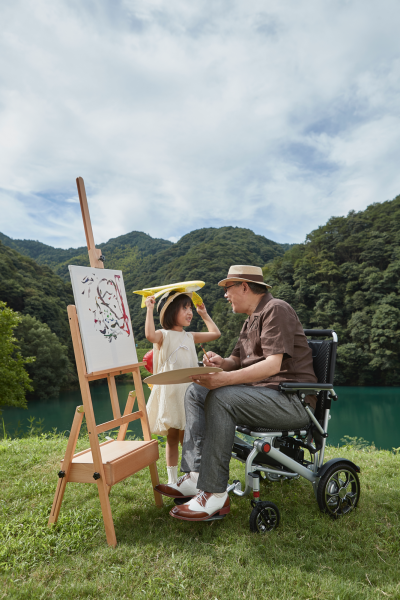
(305, 386)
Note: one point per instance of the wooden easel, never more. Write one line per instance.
(110, 462)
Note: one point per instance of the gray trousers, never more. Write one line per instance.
(211, 418)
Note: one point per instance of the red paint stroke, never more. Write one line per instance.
(124, 315)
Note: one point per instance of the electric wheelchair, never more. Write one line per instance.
(278, 455)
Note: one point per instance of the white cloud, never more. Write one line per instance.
(180, 115)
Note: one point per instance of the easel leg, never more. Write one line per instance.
(146, 430)
(107, 515)
(155, 481)
(69, 454)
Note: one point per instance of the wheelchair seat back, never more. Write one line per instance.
(324, 361)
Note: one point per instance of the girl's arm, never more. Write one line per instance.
(153, 336)
(213, 331)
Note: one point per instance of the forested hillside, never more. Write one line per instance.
(35, 290)
(38, 291)
(346, 276)
(124, 251)
(41, 297)
(205, 254)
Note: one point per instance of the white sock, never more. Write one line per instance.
(219, 494)
(172, 474)
(194, 477)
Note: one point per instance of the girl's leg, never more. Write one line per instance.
(172, 448)
(172, 454)
(181, 434)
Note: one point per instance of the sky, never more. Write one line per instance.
(179, 115)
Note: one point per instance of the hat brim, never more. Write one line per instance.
(240, 279)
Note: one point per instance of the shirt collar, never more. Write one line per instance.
(259, 308)
(262, 304)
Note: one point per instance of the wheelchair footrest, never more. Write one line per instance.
(216, 517)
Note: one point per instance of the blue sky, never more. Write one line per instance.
(179, 115)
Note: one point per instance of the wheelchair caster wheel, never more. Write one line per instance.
(338, 490)
(264, 517)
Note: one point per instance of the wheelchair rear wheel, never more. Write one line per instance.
(338, 490)
(264, 517)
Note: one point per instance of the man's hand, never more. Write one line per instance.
(258, 372)
(212, 360)
(212, 381)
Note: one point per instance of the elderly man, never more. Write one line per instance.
(272, 348)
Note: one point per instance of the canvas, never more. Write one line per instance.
(104, 319)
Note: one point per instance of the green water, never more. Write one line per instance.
(59, 412)
(372, 413)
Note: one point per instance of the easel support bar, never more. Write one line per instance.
(108, 372)
(117, 422)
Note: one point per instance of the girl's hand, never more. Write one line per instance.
(202, 311)
(150, 302)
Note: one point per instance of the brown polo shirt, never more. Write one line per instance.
(274, 328)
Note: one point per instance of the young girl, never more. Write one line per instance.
(173, 348)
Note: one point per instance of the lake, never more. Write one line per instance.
(372, 413)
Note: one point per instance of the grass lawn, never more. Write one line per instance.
(308, 556)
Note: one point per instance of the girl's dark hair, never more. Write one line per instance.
(172, 310)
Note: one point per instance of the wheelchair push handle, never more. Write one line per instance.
(321, 333)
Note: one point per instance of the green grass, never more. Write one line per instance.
(308, 556)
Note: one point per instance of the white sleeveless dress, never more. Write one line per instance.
(165, 406)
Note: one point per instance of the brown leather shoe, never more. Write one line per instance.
(192, 510)
(183, 488)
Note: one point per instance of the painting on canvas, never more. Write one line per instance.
(104, 319)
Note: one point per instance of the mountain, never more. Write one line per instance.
(346, 276)
(124, 249)
(204, 254)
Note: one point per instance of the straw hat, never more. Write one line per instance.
(244, 273)
(166, 300)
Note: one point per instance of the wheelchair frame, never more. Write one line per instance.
(279, 455)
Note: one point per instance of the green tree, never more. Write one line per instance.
(346, 277)
(14, 380)
(52, 369)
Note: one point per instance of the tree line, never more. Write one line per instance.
(343, 277)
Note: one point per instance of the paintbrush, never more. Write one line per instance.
(202, 347)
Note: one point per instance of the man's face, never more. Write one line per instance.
(235, 294)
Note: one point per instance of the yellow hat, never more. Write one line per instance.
(183, 287)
